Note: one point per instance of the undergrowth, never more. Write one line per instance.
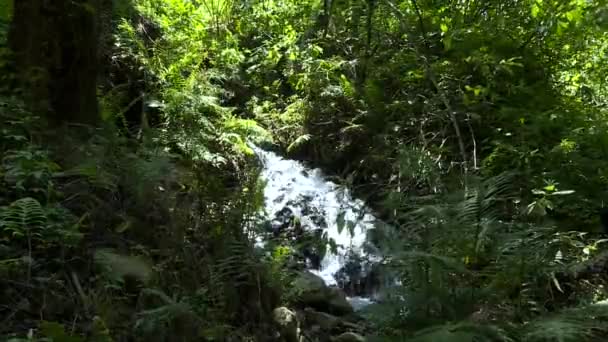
(475, 129)
(103, 238)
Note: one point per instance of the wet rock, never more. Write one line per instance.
(359, 303)
(337, 303)
(305, 202)
(315, 294)
(349, 337)
(282, 220)
(287, 323)
(312, 259)
(352, 327)
(318, 220)
(359, 277)
(311, 288)
(285, 214)
(269, 146)
(324, 321)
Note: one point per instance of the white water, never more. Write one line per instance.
(289, 180)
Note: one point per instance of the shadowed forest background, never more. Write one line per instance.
(130, 190)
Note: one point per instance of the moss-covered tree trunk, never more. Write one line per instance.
(55, 48)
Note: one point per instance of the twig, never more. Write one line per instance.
(474, 145)
(83, 297)
(29, 255)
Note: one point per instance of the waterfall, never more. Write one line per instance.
(319, 204)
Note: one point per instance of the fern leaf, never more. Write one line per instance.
(298, 142)
(557, 329)
(445, 262)
(23, 216)
(464, 331)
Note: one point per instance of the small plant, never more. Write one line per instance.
(543, 201)
(29, 170)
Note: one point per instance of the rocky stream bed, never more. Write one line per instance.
(336, 263)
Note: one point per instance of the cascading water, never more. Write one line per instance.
(322, 205)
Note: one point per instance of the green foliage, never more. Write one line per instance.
(23, 217)
(118, 267)
(6, 10)
(461, 332)
(28, 169)
(467, 265)
(428, 107)
(56, 332)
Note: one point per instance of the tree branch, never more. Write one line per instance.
(432, 78)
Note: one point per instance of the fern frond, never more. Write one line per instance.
(560, 328)
(499, 186)
(463, 331)
(429, 211)
(578, 324)
(444, 262)
(247, 129)
(299, 141)
(237, 267)
(97, 177)
(23, 216)
(159, 321)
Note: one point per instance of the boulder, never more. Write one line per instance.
(268, 145)
(311, 289)
(337, 303)
(287, 322)
(313, 292)
(349, 337)
(324, 321)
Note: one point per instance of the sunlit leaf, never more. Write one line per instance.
(549, 187)
(535, 10)
(562, 192)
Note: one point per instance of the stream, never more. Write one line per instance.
(329, 210)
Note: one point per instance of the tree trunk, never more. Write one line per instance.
(55, 48)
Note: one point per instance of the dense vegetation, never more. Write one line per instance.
(130, 196)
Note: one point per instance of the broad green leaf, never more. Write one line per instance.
(550, 187)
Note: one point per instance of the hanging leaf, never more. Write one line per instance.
(350, 226)
(340, 221)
